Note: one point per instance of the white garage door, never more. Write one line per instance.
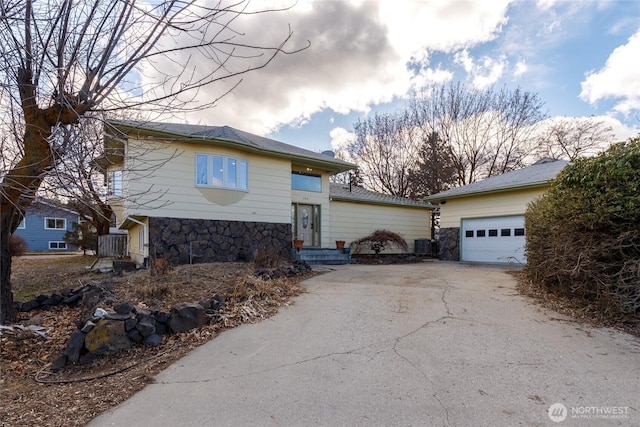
(495, 239)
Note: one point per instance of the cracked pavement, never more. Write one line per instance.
(430, 344)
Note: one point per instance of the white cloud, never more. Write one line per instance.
(618, 78)
(340, 138)
(484, 72)
(357, 59)
(520, 69)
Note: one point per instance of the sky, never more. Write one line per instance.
(580, 57)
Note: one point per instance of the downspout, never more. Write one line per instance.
(145, 252)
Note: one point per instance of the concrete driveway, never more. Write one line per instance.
(431, 344)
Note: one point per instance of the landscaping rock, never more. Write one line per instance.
(87, 327)
(123, 308)
(146, 326)
(59, 363)
(120, 266)
(135, 336)
(87, 358)
(72, 299)
(54, 299)
(187, 316)
(129, 324)
(107, 337)
(162, 328)
(162, 316)
(30, 305)
(74, 346)
(153, 339)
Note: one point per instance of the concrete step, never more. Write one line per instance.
(321, 256)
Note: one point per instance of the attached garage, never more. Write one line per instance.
(493, 240)
(484, 221)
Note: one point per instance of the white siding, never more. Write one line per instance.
(160, 181)
(351, 221)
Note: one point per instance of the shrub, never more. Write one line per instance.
(17, 245)
(379, 240)
(583, 239)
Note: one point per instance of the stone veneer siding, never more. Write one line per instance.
(216, 241)
(449, 244)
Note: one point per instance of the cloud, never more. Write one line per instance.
(358, 58)
(484, 72)
(618, 79)
(340, 138)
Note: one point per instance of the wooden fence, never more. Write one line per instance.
(112, 245)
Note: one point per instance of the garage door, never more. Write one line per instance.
(495, 239)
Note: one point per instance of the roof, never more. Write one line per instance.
(537, 175)
(233, 138)
(342, 192)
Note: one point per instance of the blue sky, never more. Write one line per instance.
(580, 57)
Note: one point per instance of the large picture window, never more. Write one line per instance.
(306, 182)
(222, 172)
(55, 223)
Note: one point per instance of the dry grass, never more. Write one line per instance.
(26, 401)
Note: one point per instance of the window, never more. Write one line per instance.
(468, 233)
(141, 240)
(505, 232)
(22, 225)
(518, 231)
(221, 172)
(481, 233)
(55, 224)
(115, 183)
(306, 182)
(493, 233)
(58, 245)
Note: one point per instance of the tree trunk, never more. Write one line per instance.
(8, 312)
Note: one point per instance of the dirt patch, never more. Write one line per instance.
(31, 395)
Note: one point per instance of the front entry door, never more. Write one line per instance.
(304, 225)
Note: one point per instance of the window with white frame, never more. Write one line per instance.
(222, 172)
(55, 223)
(114, 182)
(141, 240)
(58, 245)
(22, 225)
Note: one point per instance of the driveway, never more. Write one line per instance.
(431, 344)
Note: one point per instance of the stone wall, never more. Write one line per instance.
(449, 244)
(216, 241)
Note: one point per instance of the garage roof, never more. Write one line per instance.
(536, 175)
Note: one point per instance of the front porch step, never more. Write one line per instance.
(321, 256)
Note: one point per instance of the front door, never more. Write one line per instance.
(306, 227)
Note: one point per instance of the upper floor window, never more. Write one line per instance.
(55, 223)
(306, 182)
(221, 172)
(114, 181)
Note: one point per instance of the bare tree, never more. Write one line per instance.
(60, 61)
(571, 138)
(385, 149)
(487, 132)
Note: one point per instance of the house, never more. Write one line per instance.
(208, 193)
(44, 227)
(484, 221)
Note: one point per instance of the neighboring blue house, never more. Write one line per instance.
(44, 227)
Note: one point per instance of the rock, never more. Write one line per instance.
(186, 316)
(41, 298)
(205, 304)
(91, 297)
(87, 327)
(162, 328)
(118, 316)
(162, 316)
(146, 325)
(65, 292)
(30, 305)
(54, 299)
(135, 335)
(74, 346)
(87, 358)
(153, 339)
(72, 299)
(217, 303)
(120, 266)
(107, 337)
(129, 324)
(140, 312)
(59, 363)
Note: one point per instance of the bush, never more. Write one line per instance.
(379, 240)
(583, 239)
(17, 245)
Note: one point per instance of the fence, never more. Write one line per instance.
(112, 245)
